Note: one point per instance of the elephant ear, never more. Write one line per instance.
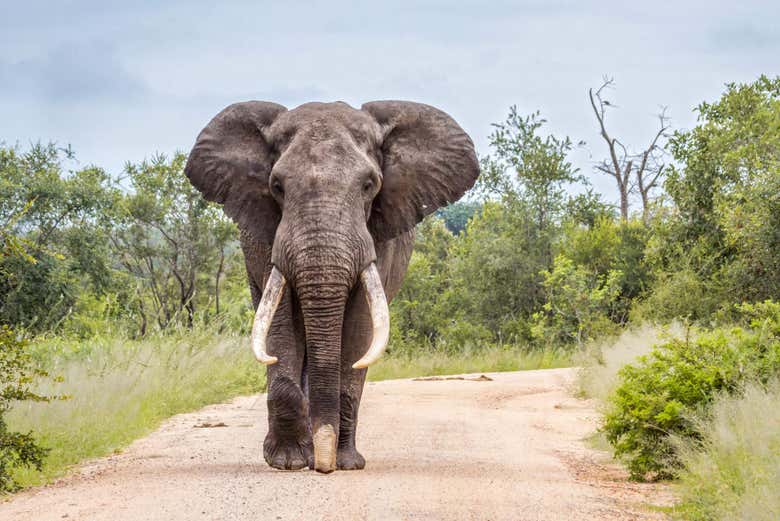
(428, 161)
(230, 164)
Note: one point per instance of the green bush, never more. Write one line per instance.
(609, 247)
(577, 305)
(682, 294)
(657, 394)
(17, 373)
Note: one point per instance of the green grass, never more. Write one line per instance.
(120, 390)
(734, 472)
(493, 359)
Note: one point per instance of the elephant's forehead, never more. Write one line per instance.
(318, 122)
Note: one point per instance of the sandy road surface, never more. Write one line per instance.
(510, 448)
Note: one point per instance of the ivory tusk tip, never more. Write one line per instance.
(380, 316)
(272, 294)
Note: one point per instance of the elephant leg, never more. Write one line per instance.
(356, 337)
(288, 444)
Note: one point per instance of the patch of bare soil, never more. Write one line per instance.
(480, 378)
(508, 448)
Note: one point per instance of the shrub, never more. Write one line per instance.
(682, 294)
(657, 394)
(577, 305)
(16, 374)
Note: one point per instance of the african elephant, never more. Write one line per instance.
(326, 198)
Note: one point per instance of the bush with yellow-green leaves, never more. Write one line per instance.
(17, 374)
(660, 394)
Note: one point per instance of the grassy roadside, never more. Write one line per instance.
(711, 397)
(120, 390)
(493, 359)
(734, 470)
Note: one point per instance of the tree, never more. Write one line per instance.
(611, 246)
(456, 216)
(416, 310)
(528, 166)
(224, 234)
(495, 280)
(59, 215)
(530, 173)
(495, 267)
(646, 166)
(577, 304)
(171, 241)
(725, 188)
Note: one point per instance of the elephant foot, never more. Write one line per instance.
(288, 444)
(288, 454)
(349, 459)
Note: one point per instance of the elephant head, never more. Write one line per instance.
(323, 183)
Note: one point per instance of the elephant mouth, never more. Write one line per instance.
(377, 306)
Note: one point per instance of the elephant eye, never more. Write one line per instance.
(368, 185)
(276, 186)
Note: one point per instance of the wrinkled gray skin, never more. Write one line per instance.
(320, 192)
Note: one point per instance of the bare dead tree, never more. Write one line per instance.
(651, 165)
(618, 165)
(646, 166)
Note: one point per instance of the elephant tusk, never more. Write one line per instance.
(380, 316)
(272, 295)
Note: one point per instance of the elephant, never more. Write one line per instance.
(326, 198)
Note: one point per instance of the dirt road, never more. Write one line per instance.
(509, 448)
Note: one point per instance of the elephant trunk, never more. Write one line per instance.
(323, 296)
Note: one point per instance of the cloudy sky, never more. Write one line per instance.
(120, 83)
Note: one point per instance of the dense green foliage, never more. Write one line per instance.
(139, 253)
(60, 221)
(720, 241)
(660, 391)
(491, 283)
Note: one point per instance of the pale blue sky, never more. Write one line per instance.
(121, 82)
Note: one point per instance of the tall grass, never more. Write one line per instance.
(601, 362)
(119, 390)
(733, 473)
